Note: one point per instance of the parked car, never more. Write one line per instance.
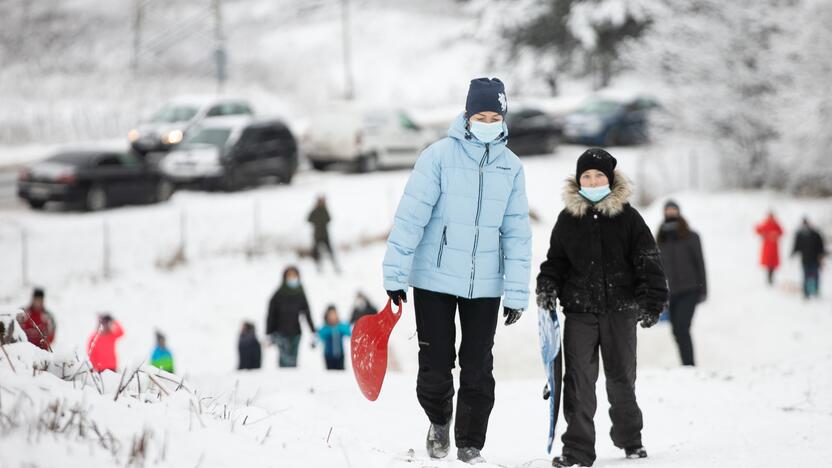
(233, 152)
(169, 125)
(93, 178)
(365, 139)
(607, 121)
(531, 131)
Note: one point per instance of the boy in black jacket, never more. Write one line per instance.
(604, 267)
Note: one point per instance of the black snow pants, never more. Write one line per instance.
(682, 307)
(615, 335)
(435, 325)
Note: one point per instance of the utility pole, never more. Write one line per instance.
(345, 31)
(220, 56)
(137, 35)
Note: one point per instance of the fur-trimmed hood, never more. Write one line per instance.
(576, 205)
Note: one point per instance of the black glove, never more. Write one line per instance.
(547, 294)
(395, 296)
(512, 315)
(648, 319)
(703, 296)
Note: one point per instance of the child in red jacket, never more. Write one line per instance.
(101, 347)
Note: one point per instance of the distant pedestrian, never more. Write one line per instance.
(283, 323)
(684, 266)
(332, 335)
(809, 243)
(319, 218)
(162, 358)
(770, 231)
(248, 348)
(37, 322)
(101, 347)
(362, 307)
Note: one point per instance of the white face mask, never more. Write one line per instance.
(486, 132)
(595, 194)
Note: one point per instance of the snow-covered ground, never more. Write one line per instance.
(762, 388)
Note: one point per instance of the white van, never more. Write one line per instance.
(366, 139)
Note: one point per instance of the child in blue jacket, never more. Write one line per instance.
(332, 335)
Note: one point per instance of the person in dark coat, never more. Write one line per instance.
(319, 218)
(283, 324)
(362, 307)
(684, 266)
(808, 242)
(605, 269)
(248, 348)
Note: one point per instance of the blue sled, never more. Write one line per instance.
(553, 363)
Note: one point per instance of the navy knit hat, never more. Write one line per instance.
(486, 95)
(598, 159)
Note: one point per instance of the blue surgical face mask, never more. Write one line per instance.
(595, 194)
(486, 132)
(293, 283)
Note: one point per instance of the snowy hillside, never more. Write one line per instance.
(765, 375)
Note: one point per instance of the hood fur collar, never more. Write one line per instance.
(611, 206)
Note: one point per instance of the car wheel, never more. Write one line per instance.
(367, 163)
(611, 137)
(164, 190)
(96, 199)
(231, 181)
(36, 204)
(320, 165)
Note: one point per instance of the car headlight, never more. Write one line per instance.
(133, 135)
(172, 137)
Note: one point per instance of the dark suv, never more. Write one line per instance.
(232, 152)
(94, 179)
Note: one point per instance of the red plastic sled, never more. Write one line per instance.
(369, 349)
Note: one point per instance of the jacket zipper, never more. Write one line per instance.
(477, 225)
(442, 245)
(501, 258)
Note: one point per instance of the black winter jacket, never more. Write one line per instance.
(683, 261)
(285, 308)
(602, 257)
(809, 244)
(249, 351)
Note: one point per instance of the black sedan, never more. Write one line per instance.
(531, 131)
(93, 179)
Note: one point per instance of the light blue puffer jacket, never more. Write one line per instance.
(462, 225)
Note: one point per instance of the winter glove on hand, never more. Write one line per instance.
(512, 315)
(397, 295)
(648, 319)
(546, 294)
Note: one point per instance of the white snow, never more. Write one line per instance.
(762, 388)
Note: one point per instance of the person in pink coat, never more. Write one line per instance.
(101, 347)
(770, 231)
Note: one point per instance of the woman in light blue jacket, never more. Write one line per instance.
(461, 238)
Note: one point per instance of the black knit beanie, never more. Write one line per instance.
(596, 158)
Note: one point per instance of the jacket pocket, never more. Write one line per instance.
(442, 245)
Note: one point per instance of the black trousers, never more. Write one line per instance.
(435, 326)
(682, 307)
(615, 335)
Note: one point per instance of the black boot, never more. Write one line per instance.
(439, 440)
(566, 460)
(635, 452)
(469, 455)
